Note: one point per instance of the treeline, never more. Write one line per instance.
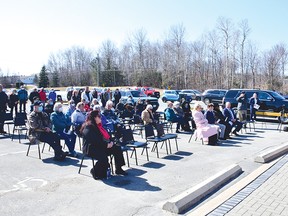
(224, 57)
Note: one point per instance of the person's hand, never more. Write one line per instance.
(47, 129)
(109, 145)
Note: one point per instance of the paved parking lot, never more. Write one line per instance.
(30, 186)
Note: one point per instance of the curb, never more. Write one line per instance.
(272, 154)
(191, 196)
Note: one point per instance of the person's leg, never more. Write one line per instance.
(53, 140)
(69, 141)
(228, 129)
(222, 130)
(24, 106)
(238, 125)
(20, 105)
(99, 171)
(118, 158)
(2, 119)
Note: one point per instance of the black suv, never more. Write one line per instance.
(213, 96)
(269, 101)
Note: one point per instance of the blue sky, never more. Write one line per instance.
(32, 29)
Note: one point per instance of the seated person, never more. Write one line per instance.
(94, 103)
(147, 116)
(231, 118)
(172, 116)
(49, 107)
(110, 115)
(39, 128)
(179, 111)
(98, 145)
(104, 121)
(35, 99)
(203, 129)
(220, 118)
(128, 111)
(130, 100)
(140, 107)
(78, 117)
(86, 105)
(61, 125)
(119, 109)
(71, 108)
(210, 116)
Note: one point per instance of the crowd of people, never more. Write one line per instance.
(98, 120)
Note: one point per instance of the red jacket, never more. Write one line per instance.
(42, 95)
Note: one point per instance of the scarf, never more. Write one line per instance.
(105, 134)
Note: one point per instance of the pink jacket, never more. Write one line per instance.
(203, 129)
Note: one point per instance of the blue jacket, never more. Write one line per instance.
(52, 95)
(59, 121)
(210, 116)
(228, 115)
(170, 114)
(23, 95)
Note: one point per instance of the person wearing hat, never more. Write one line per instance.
(39, 128)
(242, 107)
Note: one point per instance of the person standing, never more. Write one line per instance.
(253, 106)
(87, 96)
(34, 94)
(13, 102)
(242, 107)
(23, 97)
(3, 107)
(117, 96)
(42, 96)
(52, 95)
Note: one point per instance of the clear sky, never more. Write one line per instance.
(32, 29)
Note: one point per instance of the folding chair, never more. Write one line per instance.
(9, 120)
(38, 144)
(93, 163)
(20, 126)
(128, 141)
(150, 137)
(168, 136)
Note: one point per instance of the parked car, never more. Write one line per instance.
(170, 95)
(271, 102)
(136, 95)
(213, 96)
(195, 94)
(149, 91)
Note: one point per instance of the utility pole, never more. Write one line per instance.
(99, 68)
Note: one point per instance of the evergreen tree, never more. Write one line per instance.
(43, 78)
(55, 79)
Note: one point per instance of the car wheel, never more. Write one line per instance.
(164, 100)
(198, 98)
(207, 101)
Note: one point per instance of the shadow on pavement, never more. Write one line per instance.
(131, 182)
(153, 165)
(183, 153)
(172, 157)
(67, 162)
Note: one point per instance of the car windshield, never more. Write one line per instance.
(197, 92)
(276, 95)
(170, 92)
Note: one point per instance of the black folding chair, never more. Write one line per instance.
(37, 142)
(19, 126)
(168, 136)
(128, 141)
(150, 137)
(9, 120)
(93, 163)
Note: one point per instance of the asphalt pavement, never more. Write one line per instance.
(30, 186)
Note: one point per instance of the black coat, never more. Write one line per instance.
(94, 144)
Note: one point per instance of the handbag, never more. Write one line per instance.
(256, 106)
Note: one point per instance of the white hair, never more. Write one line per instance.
(56, 106)
(108, 103)
(149, 106)
(97, 107)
